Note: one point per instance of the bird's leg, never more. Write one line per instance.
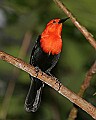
(48, 73)
(57, 81)
(37, 70)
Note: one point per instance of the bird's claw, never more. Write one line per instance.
(37, 70)
(59, 83)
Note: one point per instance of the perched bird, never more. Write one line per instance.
(44, 56)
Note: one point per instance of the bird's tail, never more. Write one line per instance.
(33, 98)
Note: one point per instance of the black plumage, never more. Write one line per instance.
(45, 62)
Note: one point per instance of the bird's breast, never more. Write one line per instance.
(51, 44)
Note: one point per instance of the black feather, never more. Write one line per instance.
(45, 62)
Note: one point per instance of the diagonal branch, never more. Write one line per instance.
(84, 86)
(91, 40)
(81, 28)
(51, 81)
(87, 80)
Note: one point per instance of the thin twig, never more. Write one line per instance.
(51, 81)
(84, 86)
(91, 40)
(12, 81)
(81, 28)
(88, 78)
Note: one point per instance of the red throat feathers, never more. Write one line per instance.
(51, 41)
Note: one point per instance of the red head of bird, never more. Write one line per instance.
(51, 41)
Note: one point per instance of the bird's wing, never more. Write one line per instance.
(54, 62)
(37, 43)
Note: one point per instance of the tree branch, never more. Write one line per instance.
(81, 28)
(51, 81)
(84, 86)
(87, 80)
(12, 81)
(92, 41)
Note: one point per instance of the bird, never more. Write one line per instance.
(45, 54)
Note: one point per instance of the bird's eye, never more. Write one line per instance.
(54, 21)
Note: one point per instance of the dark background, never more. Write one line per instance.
(22, 19)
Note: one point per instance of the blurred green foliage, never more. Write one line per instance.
(20, 16)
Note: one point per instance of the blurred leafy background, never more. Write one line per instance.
(21, 21)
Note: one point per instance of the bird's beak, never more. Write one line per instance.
(62, 20)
